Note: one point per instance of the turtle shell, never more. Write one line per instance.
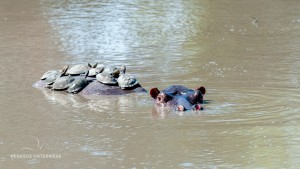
(106, 78)
(99, 66)
(113, 70)
(49, 73)
(78, 69)
(77, 85)
(52, 77)
(94, 71)
(62, 83)
(127, 81)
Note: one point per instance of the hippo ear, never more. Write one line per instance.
(154, 92)
(202, 90)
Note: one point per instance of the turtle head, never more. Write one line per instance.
(115, 72)
(123, 69)
(86, 74)
(64, 70)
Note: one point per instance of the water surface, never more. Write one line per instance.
(245, 53)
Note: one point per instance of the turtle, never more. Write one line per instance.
(113, 70)
(97, 68)
(49, 73)
(78, 84)
(54, 75)
(126, 81)
(79, 69)
(106, 78)
(62, 83)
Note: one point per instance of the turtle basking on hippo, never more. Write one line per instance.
(100, 79)
(85, 79)
(79, 69)
(78, 84)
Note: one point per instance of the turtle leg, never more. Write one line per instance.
(49, 87)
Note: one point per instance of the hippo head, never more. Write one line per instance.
(179, 97)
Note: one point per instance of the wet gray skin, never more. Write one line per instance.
(78, 84)
(126, 81)
(179, 97)
(54, 75)
(79, 69)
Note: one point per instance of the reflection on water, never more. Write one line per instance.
(129, 32)
(105, 104)
(244, 53)
(124, 30)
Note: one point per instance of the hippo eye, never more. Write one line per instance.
(159, 98)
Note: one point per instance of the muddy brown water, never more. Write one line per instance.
(246, 53)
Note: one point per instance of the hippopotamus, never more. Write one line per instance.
(97, 88)
(179, 98)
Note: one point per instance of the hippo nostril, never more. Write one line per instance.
(180, 108)
(197, 107)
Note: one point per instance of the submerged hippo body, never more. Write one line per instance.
(97, 88)
(179, 97)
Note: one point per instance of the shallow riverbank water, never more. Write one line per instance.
(245, 53)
